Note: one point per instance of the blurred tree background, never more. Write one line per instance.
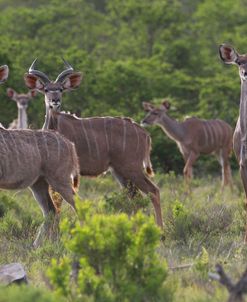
(129, 52)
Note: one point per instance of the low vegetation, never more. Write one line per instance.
(202, 228)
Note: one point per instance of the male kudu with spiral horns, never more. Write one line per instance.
(102, 143)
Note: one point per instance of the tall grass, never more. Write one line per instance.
(202, 227)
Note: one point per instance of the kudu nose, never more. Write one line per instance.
(56, 101)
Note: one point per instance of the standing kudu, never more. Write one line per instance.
(102, 143)
(229, 56)
(22, 100)
(194, 136)
(37, 159)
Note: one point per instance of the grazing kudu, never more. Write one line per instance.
(230, 56)
(194, 136)
(102, 143)
(37, 159)
(22, 101)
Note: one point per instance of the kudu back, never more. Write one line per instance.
(102, 143)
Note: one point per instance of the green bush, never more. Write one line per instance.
(117, 202)
(117, 259)
(25, 293)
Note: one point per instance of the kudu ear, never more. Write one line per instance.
(11, 93)
(4, 72)
(228, 54)
(33, 82)
(147, 106)
(166, 104)
(72, 81)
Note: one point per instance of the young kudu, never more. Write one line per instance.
(22, 100)
(194, 136)
(37, 159)
(230, 56)
(102, 143)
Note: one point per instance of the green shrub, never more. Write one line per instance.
(117, 259)
(117, 202)
(25, 293)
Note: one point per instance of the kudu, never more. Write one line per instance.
(194, 136)
(22, 100)
(102, 143)
(230, 56)
(37, 159)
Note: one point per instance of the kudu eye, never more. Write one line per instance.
(46, 90)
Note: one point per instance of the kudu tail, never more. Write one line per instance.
(147, 161)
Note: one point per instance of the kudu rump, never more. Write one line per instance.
(230, 56)
(37, 159)
(22, 100)
(194, 136)
(102, 143)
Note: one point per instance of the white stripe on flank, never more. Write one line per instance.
(106, 135)
(58, 146)
(220, 137)
(95, 140)
(86, 136)
(36, 145)
(138, 139)
(45, 144)
(16, 148)
(6, 148)
(211, 125)
(210, 135)
(205, 134)
(124, 134)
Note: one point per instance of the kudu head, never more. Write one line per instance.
(155, 113)
(68, 79)
(21, 99)
(4, 72)
(230, 56)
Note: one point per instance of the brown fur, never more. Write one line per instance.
(194, 136)
(105, 143)
(37, 159)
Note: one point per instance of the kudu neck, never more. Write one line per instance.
(22, 118)
(243, 111)
(172, 128)
(50, 119)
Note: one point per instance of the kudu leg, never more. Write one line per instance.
(64, 188)
(41, 194)
(243, 174)
(146, 186)
(125, 183)
(188, 171)
(223, 158)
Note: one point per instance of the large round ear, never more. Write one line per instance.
(4, 72)
(11, 93)
(33, 82)
(166, 104)
(228, 54)
(72, 81)
(147, 106)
